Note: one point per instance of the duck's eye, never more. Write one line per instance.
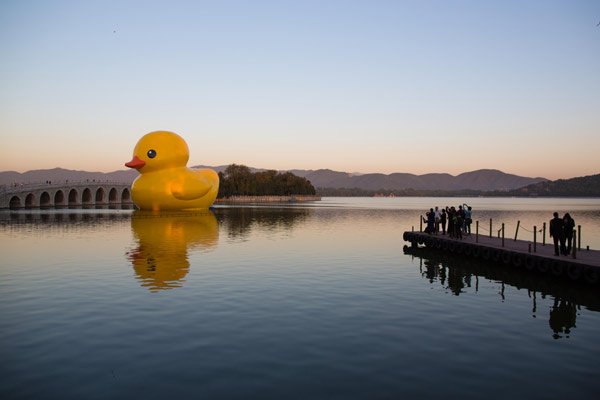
(151, 153)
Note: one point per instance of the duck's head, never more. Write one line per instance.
(158, 150)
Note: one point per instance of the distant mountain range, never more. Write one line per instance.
(585, 186)
(483, 179)
(61, 175)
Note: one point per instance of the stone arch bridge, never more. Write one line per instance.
(65, 195)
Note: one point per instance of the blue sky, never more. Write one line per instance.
(366, 86)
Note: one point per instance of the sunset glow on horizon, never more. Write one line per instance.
(354, 86)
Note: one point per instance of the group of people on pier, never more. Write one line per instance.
(561, 230)
(458, 221)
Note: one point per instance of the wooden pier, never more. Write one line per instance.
(517, 253)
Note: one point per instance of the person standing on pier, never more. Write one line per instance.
(437, 220)
(459, 227)
(569, 226)
(557, 232)
(459, 221)
(430, 221)
(451, 213)
(443, 221)
(468, 219)
(454, 223)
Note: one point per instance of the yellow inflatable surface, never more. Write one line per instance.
(165, 182)
(164, 243)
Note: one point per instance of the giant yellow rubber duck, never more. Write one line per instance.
(165, 183)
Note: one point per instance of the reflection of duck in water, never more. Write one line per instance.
(160, 260)
(165, 183)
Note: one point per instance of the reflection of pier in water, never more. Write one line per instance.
(457, 273)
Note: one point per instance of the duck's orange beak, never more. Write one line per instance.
(135, 163)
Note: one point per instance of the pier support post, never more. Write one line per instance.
(578, 237)
(544, 237)
(534, 239)
(503, 234)
(574, 248)
(476, 231)
(490, 228)
(421, 224)
(517, 231)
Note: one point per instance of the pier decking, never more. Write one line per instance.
(516, 253)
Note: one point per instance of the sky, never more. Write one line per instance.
(357, 86)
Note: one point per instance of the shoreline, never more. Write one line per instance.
(267, 199)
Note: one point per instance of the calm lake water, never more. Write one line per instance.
(302, 301)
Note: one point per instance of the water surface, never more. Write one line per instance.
(305, 301)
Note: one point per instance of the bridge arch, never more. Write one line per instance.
(72, 200)
(59, 198)
(15, 202)
(125, 196)
(99, 195)
(86, 197)
(30, 200)
(113, 196)
(45, 200)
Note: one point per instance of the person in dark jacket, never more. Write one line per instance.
(430, 221)
(443, 220)
(458, 222)
(557, 232)
(569, 225)
(450, 212)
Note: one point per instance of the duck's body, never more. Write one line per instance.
(175, 189)
(165, 183)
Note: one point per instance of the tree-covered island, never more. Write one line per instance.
(239, 180)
